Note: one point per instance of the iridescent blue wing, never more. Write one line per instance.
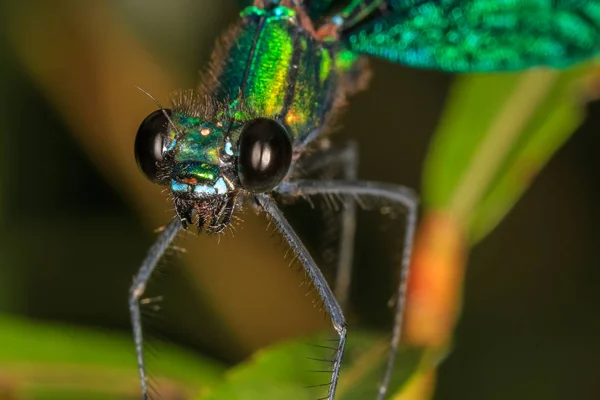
(473, 35)
(314, 8)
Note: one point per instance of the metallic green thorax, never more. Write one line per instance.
(278, 70)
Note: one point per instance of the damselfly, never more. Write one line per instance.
(275, 80)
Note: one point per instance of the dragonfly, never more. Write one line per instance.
(255, 129)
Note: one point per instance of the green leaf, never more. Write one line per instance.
(497, 132)
(290, 371)
(46, 361)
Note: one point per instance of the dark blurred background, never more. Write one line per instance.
(77, 217)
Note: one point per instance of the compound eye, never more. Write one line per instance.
(265, 155)
(149, 143)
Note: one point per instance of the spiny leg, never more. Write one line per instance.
(139, 286)
(397, 194)
(347, 157)
(314, 273)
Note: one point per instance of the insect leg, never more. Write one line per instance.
(137, 290)
(397, 194)
(331, 305)
(347, 157)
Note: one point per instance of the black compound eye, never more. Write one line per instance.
(265, 154)
(149, 143)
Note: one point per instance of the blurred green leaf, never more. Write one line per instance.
(300, 371)
(497, 132)
(55, 361)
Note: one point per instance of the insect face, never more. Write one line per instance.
(194, 158)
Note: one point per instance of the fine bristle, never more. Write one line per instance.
(199, 105)
(193, 104)
(209, 77)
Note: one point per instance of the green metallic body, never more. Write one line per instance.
(279, 70)
(269, 66)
